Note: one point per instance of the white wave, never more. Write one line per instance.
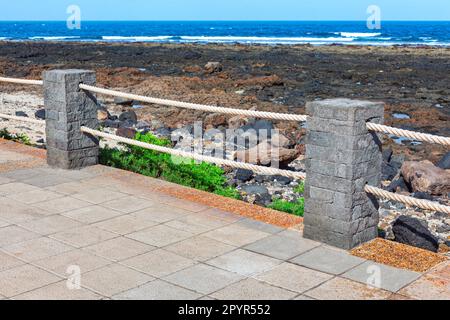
(264, 39)
(135, 38)
(358, 34)
(53, 38)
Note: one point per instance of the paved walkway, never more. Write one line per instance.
(89, 235)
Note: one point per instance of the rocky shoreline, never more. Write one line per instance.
(412, 81)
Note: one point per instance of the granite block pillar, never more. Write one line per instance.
(342, 156)
(68, 108)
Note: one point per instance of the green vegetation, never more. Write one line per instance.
(202, 176)
(18, 137)
(300, 188)
(296, 208)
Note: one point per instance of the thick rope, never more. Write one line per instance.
(194, 106)
(22, 81)
(425, 137)
(199, 157)
(23, 119)
(423, 204)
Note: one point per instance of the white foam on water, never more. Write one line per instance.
(136, 38)
(358, 34)
(53, 38)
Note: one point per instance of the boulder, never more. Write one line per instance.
(129, 133)
(279, 140)
(262, 155)
(212, 67)
(444, 163)
(426, 177)
(413, 232)
(128, 116)
(243, 175)
(40, 114)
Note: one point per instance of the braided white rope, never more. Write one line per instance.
(23, 119)
(22, 81)
(194, 106)
(424, 204)
(199, 157)
(409, 134)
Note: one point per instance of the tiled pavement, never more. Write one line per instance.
(127, 242)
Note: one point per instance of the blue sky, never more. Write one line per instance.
(225, 9)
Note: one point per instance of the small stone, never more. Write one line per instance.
(123, 101)
(413, 232)
(397, 185)
(111, 124)
(142, 125)
(21, 114)
(243, 175)
(126, 133)
(40, 114)
(422, 195)
(128, 116)
(444, 163)
(257, 194)
(102, 114)
(388, 172)
(212, 67)
(282, 179)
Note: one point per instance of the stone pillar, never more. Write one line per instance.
(342, 156)
(67, 108)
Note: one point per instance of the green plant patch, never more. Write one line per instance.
(186, 172)
(296, 208)
(17, 137)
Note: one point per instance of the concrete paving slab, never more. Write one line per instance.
(344, 289)
(114, 279)
(244, 262)
(294, 278)
(329, 260)
(203, 279)
(24, 278)
(158, 290)
(200, 248)
(160, 236)
(281, 247)
(382, 276)
(159, 263)
(236, 235)
(251, 289)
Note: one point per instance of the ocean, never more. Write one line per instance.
(432, 33)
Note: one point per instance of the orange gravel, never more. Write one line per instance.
(398, 255)
(255, 212)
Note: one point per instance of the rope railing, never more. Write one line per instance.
(194, 106)
(420, 203)
(23, 119)
(195, 156)
(22, 81)
(418, 136)
(423, 204)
